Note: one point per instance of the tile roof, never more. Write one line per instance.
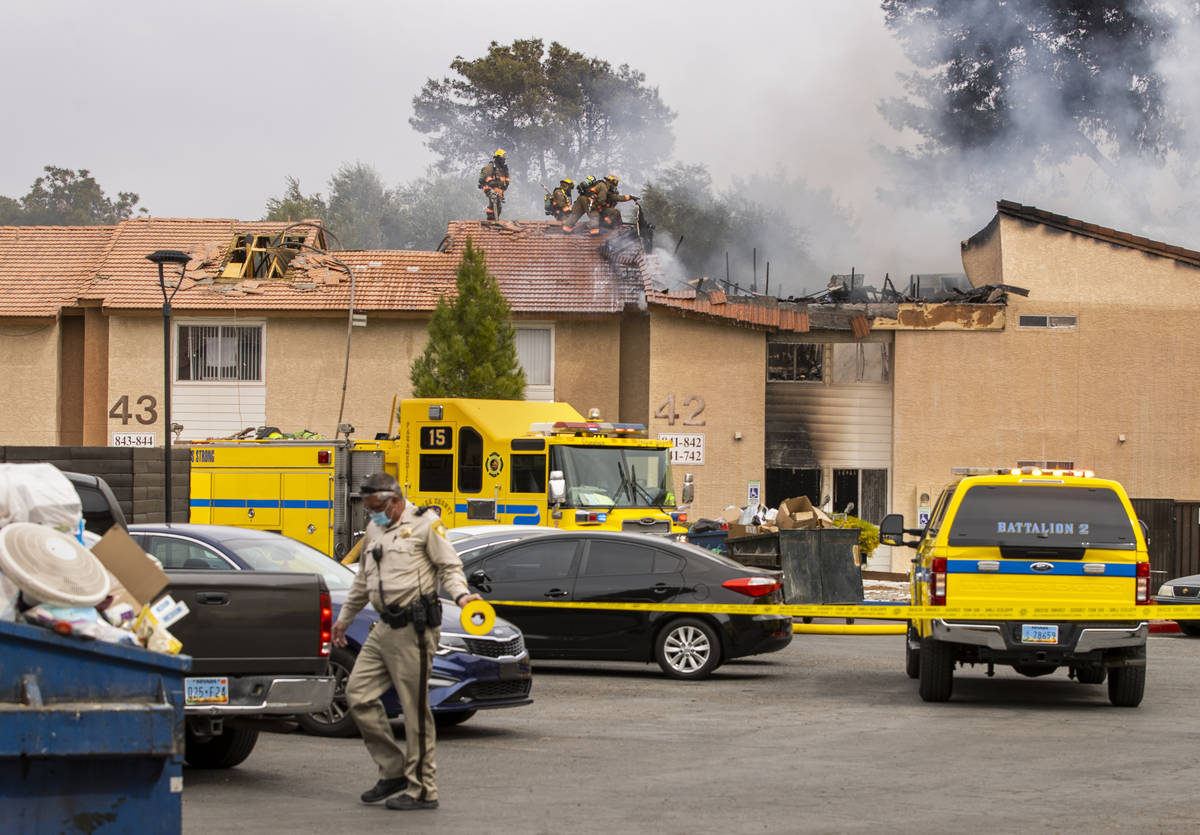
(1102, 233)
(42, 265)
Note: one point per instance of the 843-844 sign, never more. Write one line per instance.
(688, 449)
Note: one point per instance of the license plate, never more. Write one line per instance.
(1032, 633)
(206, 691)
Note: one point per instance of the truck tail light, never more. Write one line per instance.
(323, 456)
(937, 582)
(1142, 590)
(752, 586)
(326, 623)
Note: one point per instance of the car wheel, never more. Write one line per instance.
(1190, 627)
(912, 657)
(336, 721)
(937, 670)
(1091, 675)
(223, 751)
(446, 719)
(1126, 685)
(688, 648)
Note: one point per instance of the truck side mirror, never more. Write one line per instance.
(892, 531)
(689, 489)
(558, 487)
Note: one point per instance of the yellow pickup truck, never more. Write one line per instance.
(1028, 537)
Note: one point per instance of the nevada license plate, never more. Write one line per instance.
(206, 691)
(1032, 633)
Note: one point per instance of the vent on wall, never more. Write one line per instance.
(1046, 322)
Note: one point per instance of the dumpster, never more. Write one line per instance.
(91, 734)
(817, 563)
(712, 540)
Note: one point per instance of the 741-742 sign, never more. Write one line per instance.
(688, 449)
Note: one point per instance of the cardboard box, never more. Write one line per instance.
(141, 578)
(799, 513)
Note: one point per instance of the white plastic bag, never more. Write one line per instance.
(39, 493)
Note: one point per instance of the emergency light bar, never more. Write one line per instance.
(587, 427)
(1034, 471)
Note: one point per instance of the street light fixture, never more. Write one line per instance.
(160, 257)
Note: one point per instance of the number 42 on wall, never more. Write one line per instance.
(666, 411)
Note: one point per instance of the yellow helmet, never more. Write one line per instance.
(566, 181)
(612, 178)
(499, 152)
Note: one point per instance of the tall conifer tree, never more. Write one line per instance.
(472, 350)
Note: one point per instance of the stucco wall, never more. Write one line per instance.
(1128, 368)
(29, 383)
(135, 371)
(725, 367)
(587, 359)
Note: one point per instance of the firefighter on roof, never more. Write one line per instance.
(493, 179)
(558, 202)
(583, 203)
(605, 198)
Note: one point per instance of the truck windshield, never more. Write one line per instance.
(1031, 517)
(615, 477)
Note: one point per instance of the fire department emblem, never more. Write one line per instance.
(494, 464)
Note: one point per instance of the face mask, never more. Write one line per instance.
(380, 518)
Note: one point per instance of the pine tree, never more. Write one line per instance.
(472, 350)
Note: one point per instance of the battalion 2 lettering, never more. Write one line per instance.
(1041, 527)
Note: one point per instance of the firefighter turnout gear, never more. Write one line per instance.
(582, 204)
(493, 180)
(558, 202)
(405, 558)
(605, 198)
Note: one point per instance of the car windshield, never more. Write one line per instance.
(283, 554)
(615, 476)
(1033, 516)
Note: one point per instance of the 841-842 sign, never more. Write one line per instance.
(688, 449)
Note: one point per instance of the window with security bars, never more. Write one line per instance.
(215, 353)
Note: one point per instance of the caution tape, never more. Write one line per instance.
(897, 612)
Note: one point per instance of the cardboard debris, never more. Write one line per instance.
(799, 513)
(141, 579)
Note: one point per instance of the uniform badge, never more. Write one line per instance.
(405, 532)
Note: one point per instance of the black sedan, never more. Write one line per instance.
(469, 673)
(610, 567)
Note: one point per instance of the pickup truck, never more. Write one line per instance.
(259, 643)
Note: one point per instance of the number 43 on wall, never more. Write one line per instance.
(149, 414)
(666, 411)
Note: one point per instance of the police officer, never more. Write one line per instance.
(405, 557)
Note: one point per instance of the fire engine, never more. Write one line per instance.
(477, 461)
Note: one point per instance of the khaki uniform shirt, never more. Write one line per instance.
(417, 558)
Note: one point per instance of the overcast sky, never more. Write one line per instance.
(204, 108)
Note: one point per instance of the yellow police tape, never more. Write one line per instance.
(899, 612)
(849, 628)
(478, 617)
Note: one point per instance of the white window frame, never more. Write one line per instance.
(539, 392)
(261, 324)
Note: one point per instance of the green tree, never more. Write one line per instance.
(62, 197)
(1004, 86)
(472, 349)
(558, 113)
(294, 205)
(428, 204)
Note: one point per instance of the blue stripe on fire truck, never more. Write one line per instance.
(273, 504)
(530, 513)
(1055, 568)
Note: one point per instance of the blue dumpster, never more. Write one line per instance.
(91, 734)
(712, 540)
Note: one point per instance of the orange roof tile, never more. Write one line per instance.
(40, 266)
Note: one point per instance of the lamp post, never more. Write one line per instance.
(160, 257)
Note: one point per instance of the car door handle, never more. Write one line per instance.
(212, 598)
(555, 593)
(660, 588)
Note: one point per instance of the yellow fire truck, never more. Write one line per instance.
(479, 461)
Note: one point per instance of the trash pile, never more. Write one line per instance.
(49, 577)
(792, 514)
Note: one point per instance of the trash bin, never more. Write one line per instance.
(91, 734)
(712, 540)
(817, 563)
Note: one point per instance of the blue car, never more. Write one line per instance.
(470, 672)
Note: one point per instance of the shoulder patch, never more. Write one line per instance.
(439, 527)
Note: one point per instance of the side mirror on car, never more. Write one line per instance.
(892, 531)
(480, 580)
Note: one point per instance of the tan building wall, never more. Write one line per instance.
(29, 383)
(716, 375)
(1126, 370)
(587, 364)
(135, 372)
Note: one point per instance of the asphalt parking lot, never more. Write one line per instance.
(826, 736)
